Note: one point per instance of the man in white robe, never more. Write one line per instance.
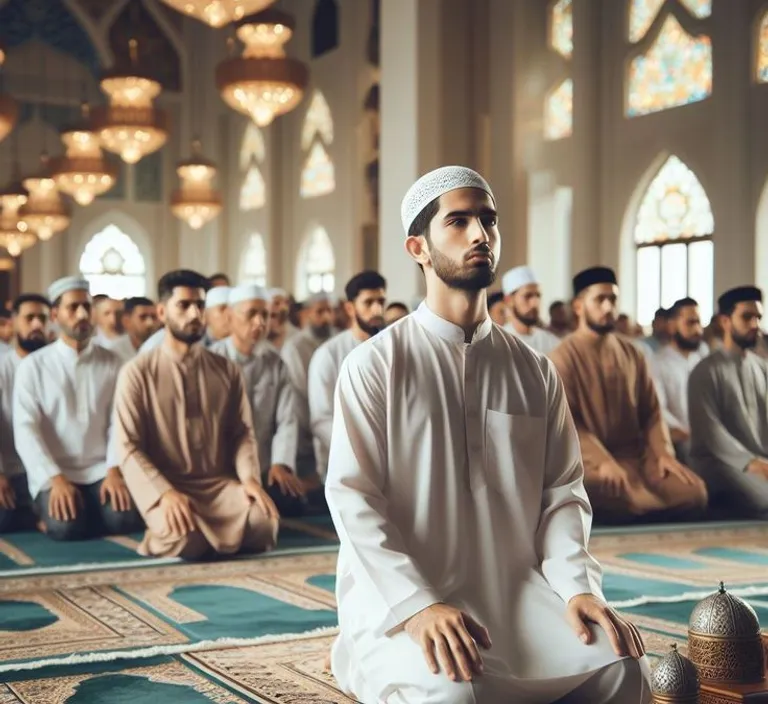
(456, 487)
(523, 298)
(366, 294)
(107, 315)
(281, 328)
(728, 406)
(31, 312)
(139, 323)
(62, 424)
(271, 395)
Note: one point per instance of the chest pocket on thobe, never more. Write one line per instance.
(515, 451)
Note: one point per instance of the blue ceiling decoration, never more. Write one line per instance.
(48, 21)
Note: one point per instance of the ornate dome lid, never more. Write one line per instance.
(675, 676)
(724, 615)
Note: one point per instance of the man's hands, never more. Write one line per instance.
(584, 609)
(668, 466)
(613, 479)
(679, 435)
(64, 499)
(449, 638)
(114, 490)
(256, 492)
(7, 494)
(758, 467)
(177, 511)
(288, 482)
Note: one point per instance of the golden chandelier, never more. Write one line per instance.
(44, 213)
(15, 237)
(263, 83)
(196, 202)
(9, 109)
(217, 13)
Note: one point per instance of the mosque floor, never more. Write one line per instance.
(93, 622)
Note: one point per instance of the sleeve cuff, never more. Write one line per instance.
(155, 488)
(400, 613)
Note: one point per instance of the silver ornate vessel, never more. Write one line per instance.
(675, 680)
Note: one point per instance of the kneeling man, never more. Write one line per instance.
(451, 443)
(185, 439)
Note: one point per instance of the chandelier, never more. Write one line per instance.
(14, 235)
(7, 264)
(44, 213)
(196, 202)
(131, 126)
(9, 109)
(264, 82)
(217, 13)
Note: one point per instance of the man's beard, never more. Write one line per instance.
(601, 328)
(33, 342)
(189, 335)
(530, 320)
(373, 326)
(322, 332)
(689, 344)
(79, 332)
(469, 278)
(745, 342)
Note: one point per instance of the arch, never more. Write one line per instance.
(642, 14)
(318, 121)
(318, 176)
(325, 27)
(253, 263)
(316, 264)
(252, 148)
(558, 112)
(561, 28)
(761, 50)
(113, 264)
(253, 192)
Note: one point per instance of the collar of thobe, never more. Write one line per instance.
(70, 353)
(190, 355)
(447, 330)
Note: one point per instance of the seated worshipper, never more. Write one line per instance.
(559, 320)
(219, 279)
(62, 424)
(366, 297)
(671, 366)
(728, 406)
(629, 461)
(659, 331)
(497, 308)
(341, 320)
(31, 312)
(280, 326)
(185, 439)
(6, 330)
(394, 312)
(452, 441)
(270, 392)
(139, 323)
(523, 297)
(107, 314)
(297, 353)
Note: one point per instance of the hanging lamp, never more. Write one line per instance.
(9, 108)
(217, 13)
(15, 236)
(131, 126)
(44, 213)
(196, 201)
(263, 83)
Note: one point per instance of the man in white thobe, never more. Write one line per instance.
(139, 323)
(671, 365)
(6, 330)
(62, 424)
(522, 294)
(456, 486)
(281, 328)
(31, 312)
(107, 316)
(366, 294)
(270, 392)
(728, 406)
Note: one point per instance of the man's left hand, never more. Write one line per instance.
(114, 490)
(256, 492)
(289, 483)
(668, 466)
(584, 609)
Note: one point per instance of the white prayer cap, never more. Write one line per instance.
(246, 292)
(217, 296)
(517, 278)
(320, 297)
(68, 283)
(273, 293)
(436, 183)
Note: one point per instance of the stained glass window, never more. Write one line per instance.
(561, 28)
(673, 231)
(113, 265)
(253, 268)
(319, 263)
(558, 112)
(676, 70)
(252, 149)
(317, 122)
(253, 192)
(642, 13)
(698, 8)
(318, 175)
(762, 51)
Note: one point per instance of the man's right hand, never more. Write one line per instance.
(64, 499)
(7, 494)
(758, 467)
(449, 638)
(613, 479)
(177, 511)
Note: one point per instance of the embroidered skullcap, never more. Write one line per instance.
(741, 294)
(69, 283)
(273, 293)
(434, 184)
(246, 292)
(217, 296)
(517, 278)
(590, 277)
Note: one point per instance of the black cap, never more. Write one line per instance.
(590, 277)
(741, 294)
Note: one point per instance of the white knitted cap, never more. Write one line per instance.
(217, 296)
(517, 278)
(273, 293)
(247, 292)
(434, 184)
(66, 284)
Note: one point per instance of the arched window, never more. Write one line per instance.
(253, 265)
(317, 269)
(325, 27)
(253, 192)
(762, 50)
(113, 265)
(252, 150)
(642, 13)
(317, 123)
(673, 235)
(561, 28)
(558, 105)
(318, 175)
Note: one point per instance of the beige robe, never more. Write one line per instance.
(185, 423)
(618, 417)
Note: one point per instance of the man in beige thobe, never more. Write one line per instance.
(185, 439)
(629, 461)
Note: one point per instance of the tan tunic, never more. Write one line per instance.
(618, 417)
(185, 423)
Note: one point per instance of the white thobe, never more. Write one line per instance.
(123, 348)
(62, 414)
(154, 340)
(323, 373)
(11, 462)
(5, 348)
(455, 475)
(670, 370)
(539, 339)
(271, 394)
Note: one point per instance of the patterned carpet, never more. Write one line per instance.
(85, 625)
